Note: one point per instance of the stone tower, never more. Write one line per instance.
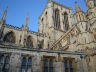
(54, 21)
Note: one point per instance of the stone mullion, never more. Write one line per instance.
(48, 64)
(59, 20)
(68, 66)
(27, 63)
(55, 19)
(74, 64)
(53, 64)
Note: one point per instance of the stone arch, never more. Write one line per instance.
(10, 37)
(57, 19)
(66, 22)
(29, 41)
(23, 64)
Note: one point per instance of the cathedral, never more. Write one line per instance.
(65, 42)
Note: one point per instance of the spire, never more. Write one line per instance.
(77, 8)
(49, 0)
(4, 14)
(26, 21)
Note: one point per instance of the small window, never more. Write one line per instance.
(95, 36)
(42, 19)
(46, 13)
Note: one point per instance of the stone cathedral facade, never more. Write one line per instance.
(65, 42)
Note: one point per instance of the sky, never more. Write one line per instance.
(19, 9)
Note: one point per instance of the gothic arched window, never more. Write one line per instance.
(66, 22)
(48, 65)
(9, 37)
(29, 41)
(29, 64)
(57, 19)
(26, 64)
(68, 65)
(4, 63)
(1, 59)
(23, 64)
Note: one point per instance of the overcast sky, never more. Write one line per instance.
(19, 9)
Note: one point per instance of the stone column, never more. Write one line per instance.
(37, 63)
(58, 65)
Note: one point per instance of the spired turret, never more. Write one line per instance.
(27, 19)
(91, 14)
(91, 7)
(3, 19)
(2, 22)
(79, 14)
(83, 36)
(25, 26)
(24, 32)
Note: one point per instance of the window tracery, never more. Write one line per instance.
(4, 63)
(26, 64)
(48, 64)
(68, 65)
(66, 22)
(57, 19)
